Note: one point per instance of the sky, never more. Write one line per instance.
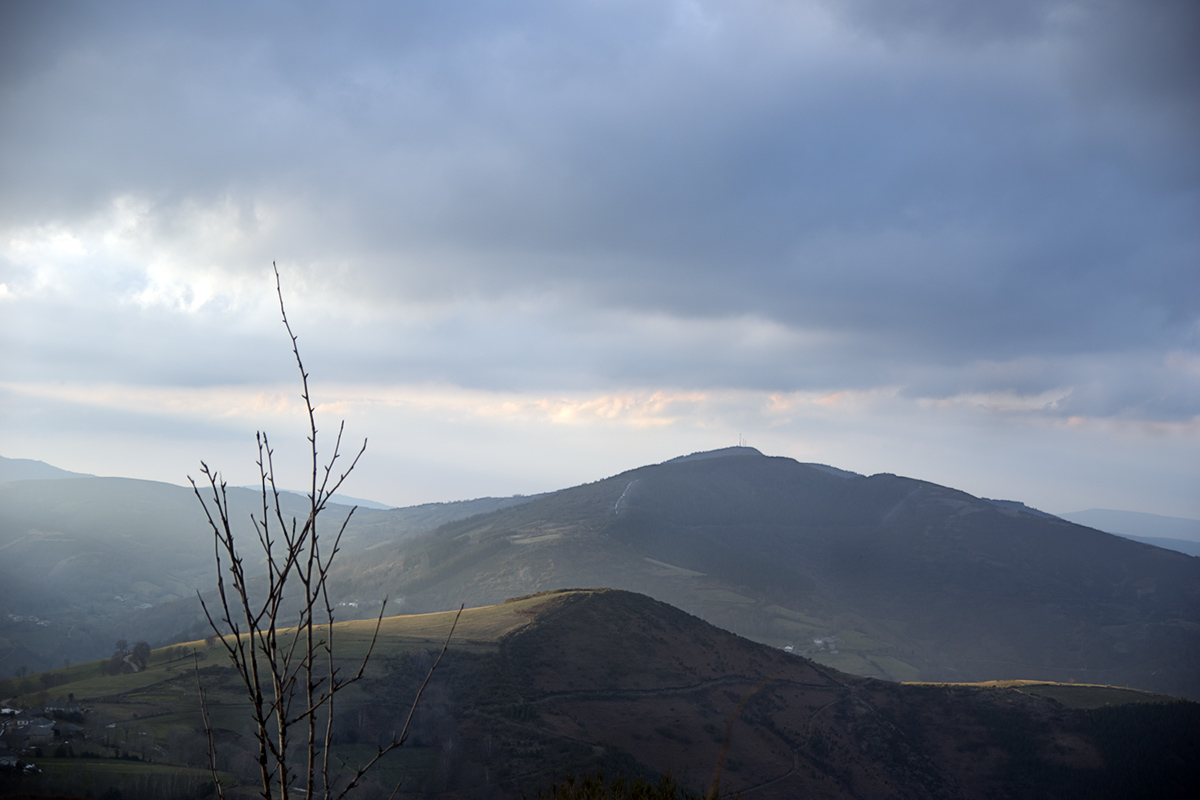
(530, 244)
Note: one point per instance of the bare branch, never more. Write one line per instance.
(290, 674)
(212, 745)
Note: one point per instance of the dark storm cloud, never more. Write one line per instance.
(935, 188)
(1141, 55)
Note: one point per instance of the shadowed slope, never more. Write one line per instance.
(609, 680)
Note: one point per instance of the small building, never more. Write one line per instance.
(62, 707)
(41, 734)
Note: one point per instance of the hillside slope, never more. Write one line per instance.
(882, 575)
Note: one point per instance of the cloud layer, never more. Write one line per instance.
(968, 206)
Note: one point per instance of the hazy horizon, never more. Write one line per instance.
(532, 246)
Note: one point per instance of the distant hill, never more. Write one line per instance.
(572, 682)
(1172, 533)
(881, 575)
(26, 469)
(88, 561)
(339, 499)
(1178, 545)
(1136, 524)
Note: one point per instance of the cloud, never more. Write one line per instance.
(989, 207)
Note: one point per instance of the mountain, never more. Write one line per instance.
(574, 681)
(26, 469)
(883, 575)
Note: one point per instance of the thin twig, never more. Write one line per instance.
(212, 745)
(272, 662)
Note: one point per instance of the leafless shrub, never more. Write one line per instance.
(289, 671)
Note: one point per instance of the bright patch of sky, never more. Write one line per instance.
(534, 244)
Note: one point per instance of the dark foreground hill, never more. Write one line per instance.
(883, 576)
(571, 682)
